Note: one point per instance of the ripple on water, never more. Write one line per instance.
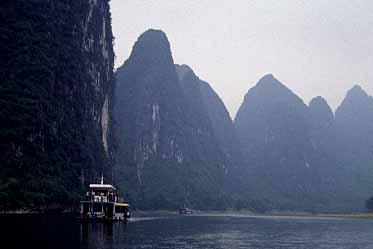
(250, 231)
(198, 231)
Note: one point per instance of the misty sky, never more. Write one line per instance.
(314, 47)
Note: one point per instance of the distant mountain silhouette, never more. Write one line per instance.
(354, 121)
(354, 129)
(323, 140)
(169, 155)
(206, 101)
(301, 157)
(273, 127)
(179, 147)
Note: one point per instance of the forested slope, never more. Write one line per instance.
(55, 99)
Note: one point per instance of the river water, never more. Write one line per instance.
(205, 230)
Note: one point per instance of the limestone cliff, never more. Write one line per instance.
(56, 99)
(168, 154)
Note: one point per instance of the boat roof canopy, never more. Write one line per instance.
(122, 204)
(102, 186)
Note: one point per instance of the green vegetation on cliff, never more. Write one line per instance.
(55, 100)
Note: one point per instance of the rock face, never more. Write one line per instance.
(222, 124)
(354, 127)
(274, 128)
(205, 102)
(322, 122)
(169, 155)
(302, 158)
(56, 99)
(323, 140)
(354, 121)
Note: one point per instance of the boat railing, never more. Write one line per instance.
(99, 198)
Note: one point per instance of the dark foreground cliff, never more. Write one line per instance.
(56, 100)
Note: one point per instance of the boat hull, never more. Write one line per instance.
(99, 220)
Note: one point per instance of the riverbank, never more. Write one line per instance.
(368, 215)
(21, 211)
(50, 210)
(360, 215)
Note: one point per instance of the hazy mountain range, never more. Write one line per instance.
(157, 131)
(180, 147)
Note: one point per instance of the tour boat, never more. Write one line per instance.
(185, 210)
(102, 204)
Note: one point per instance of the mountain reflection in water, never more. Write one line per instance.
(208, 230)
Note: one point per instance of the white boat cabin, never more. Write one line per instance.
(102, 203)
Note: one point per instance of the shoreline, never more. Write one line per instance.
(42, 211)
(357, 215)
(367, 215)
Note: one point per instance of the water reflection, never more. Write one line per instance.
(100, 235)
(223, 231)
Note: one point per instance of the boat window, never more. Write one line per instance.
(97, 207)
(120, 209)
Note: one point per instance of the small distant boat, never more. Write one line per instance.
(102, 205)
(185, 211)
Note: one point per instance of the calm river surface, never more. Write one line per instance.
(206, 230)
